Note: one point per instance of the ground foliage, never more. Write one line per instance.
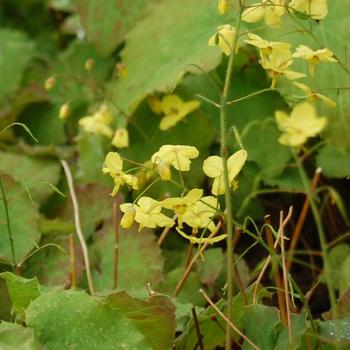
(124, 54)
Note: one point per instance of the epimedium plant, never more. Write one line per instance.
(182, 162)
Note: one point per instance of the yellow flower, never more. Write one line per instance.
(176, 155)
(314, 56)
(314, 96)
(113, 165)
(300, 125)
(175, 110)
(213, 167)
(316, 9)
(277, 65)
(201, 240)
(148, 214)
(64, 111)
(128, 218)
(121, 138)
(266, 47)
(98, 123)
(270, 11)
(180, 205)
(201, 213)
(222, 6)
(50, 83)
(224, 38)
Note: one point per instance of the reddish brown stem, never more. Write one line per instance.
(276, 272)
(301, 220)
(73, 261)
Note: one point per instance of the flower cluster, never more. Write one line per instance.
(100, 123)
(193, 209)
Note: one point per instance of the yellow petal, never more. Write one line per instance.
(235, 163)
(121, 138)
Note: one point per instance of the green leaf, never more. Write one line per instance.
(22, 291)
(140, 260)
(92, 152)
(106, 25)
(34, 173)
(341, 309)
(265, 150)
(75, 320)
(334, 162)
(260, 323)
(13, 336)
(335, 331)
(24, 221)
(299, 327)
(210, 266)
(173, 36)
(95, 207)
(149, 316)
(16, 52)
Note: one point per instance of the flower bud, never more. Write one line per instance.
(154, 104)
(50, 83)
(222, 6)
(89, 64)
(64, 111)
(121, 138)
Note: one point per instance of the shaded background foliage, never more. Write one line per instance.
(163, 45)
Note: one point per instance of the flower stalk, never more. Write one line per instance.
(228, 201)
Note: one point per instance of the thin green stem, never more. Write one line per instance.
(256, 93)
(8, 224)
(320, 230)
(228, 201)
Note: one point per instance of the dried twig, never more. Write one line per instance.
(276, 272)
(284, 268)
(164, 233)
(78, 226)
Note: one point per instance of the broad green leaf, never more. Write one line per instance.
(299, 327)
(334, 162)
(265, 150)
(106, 25)
(335, 331)
(190, 290)
(51, 264)
(24, 221)
(22, 291)
(34, 173)
(140, 260)
(15, 337)
(92, 153)
(95, 207)
(260, 324)
(339, 261)
(16, 52)
(161, 47)
(79, 321)
(5, 304)
(149, 316)
(210, 266)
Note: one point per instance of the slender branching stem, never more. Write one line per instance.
(228, 201)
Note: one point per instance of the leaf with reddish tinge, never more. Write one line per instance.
(153, 317)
